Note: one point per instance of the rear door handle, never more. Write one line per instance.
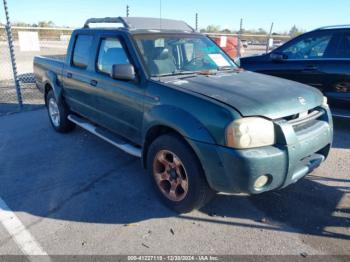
(93, 83)
(69, 75)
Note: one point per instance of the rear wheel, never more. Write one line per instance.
(58, 114)
(177, 174)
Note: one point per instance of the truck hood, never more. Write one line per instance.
(254, 94)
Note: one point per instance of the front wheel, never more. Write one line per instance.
(58, 114)
(178, 176)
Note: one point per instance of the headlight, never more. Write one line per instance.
(250, 132)
(325, 101)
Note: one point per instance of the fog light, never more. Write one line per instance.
(261, 182)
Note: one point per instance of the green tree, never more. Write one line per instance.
(294, 31)
(46, 24)
(262, 31)
(212, 29)
(20, 24)
(226, 31)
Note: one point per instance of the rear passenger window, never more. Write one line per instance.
(311, 47)
(82, 51)
(111, 53)
(343, 50)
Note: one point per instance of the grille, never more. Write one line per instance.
(306, 120)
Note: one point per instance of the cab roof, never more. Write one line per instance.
(140, 24)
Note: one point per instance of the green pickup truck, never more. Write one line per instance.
(162, 92)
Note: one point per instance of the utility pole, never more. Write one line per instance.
(12, 55)
(197, 22)
(268, 39)
(127, 11)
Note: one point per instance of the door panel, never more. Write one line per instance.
(304, 59)
(337, 84)
(119, 103)
(292, 70)
(120, 107)
(79, 94)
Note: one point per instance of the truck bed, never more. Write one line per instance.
(56, 57)
(45, 64)
(50, 58)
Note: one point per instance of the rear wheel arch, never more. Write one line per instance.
(47, 88)
(51, 83)
(58, 112)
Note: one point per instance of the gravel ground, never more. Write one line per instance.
(79, 195)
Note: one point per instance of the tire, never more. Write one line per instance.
(58, 114)
(172, 161)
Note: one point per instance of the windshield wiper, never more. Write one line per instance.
(230, 69)
(183, 72)
(226, 68)
(177, 73)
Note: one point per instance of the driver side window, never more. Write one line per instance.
(311, 47)
(111, 52)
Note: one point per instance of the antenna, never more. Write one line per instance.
(197, 22)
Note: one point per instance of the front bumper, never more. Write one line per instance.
(296, 155)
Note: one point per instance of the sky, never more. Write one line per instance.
(305, 14)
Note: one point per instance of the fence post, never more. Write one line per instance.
(12, 55)
(239, 38)
(127, 11)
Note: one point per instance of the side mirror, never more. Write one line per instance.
(123, 72)
(277, 57)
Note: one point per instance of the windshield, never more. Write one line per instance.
(165, 55)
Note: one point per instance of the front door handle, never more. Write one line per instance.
(311, 68)
(69, 75)
(93, 83)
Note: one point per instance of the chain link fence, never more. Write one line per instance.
(52, 41)
(8, 97)
(244, 45)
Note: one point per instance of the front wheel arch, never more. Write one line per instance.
(199, 192)
(152, 134)
(160, 130)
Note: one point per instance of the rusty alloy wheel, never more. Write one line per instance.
(170, 175)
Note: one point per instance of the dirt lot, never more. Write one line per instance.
(75, 194)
